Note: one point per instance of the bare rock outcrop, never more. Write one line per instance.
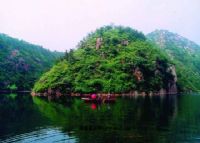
(172, 86)
(124, 42)
(99, 42)
(138, 74)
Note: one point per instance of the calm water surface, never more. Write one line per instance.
(156, 119)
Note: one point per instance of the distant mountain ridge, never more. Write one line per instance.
(184, 53)
(163, 37)
(21, 63)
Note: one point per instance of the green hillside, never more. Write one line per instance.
(184, 53)
(112, 59)
(21, 63)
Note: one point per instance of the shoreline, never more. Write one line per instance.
(103, 94)
(100, 94)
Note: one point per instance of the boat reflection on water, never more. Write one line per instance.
(98, 98)
(138, 118)
(93, 106)
(154, 119)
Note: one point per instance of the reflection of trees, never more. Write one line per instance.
(154, 119)
(186, 125)
(18, 114)
(139, 119)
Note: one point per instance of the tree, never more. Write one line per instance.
(12, 87)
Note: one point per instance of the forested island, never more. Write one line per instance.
(117, 59)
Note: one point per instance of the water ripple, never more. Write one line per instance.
(45, 135)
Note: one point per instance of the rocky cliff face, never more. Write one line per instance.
(99, 42)
(185, 55)
(172, 87)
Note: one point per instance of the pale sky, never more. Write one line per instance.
(61, 24)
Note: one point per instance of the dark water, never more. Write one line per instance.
(157, 119)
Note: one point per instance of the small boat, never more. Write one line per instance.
(99, 100)
(95, 99)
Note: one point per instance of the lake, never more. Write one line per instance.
(149, 119)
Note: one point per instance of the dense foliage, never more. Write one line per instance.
(124, 61)
(21, 63)
(185, 55)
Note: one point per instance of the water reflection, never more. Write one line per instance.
(152, 119)
(18, 114)
(139, 119)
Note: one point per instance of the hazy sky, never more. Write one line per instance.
(61, 24)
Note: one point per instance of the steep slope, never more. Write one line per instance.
(112, 59)
(184, 53)
(21, 63)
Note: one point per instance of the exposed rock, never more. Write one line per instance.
(172, 69)
(58, 93)
(45, 94)
(162, 91)
(172, 82)
(172, 87)
(99, 42)
(124, 42)
(14, 53)
(50, 91)
(138, 74)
